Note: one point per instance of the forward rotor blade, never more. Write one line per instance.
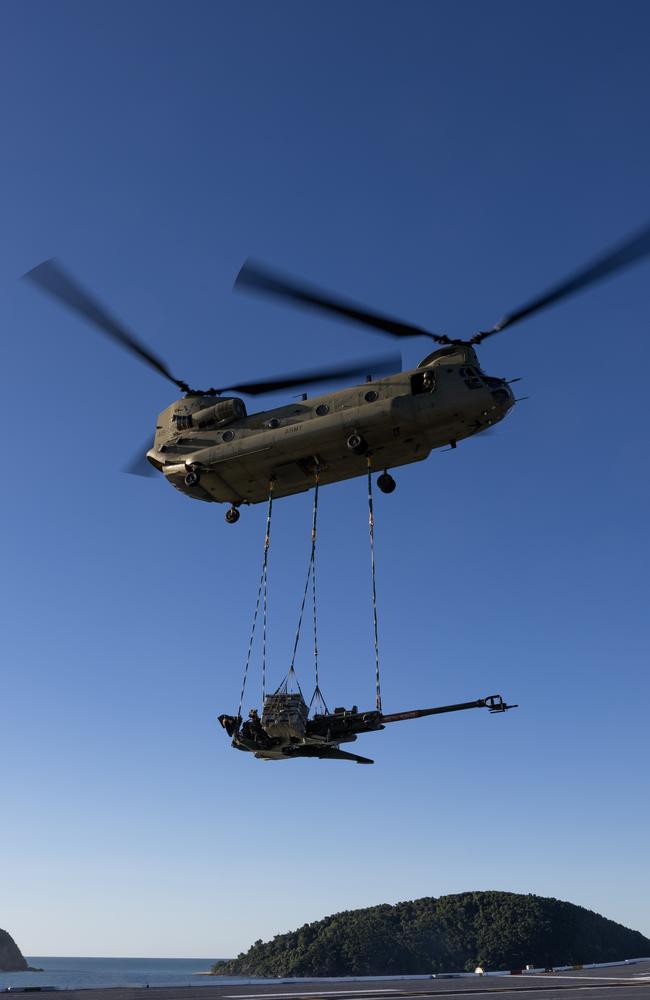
(388, 364)
(139, 464)
(616, 259)
(257, 278)
(51, 278)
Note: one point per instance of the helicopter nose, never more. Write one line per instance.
(503, 396)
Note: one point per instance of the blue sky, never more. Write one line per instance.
(440, 161)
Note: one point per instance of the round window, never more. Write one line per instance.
(273, 422)
(322, 409)
(371, 396)
(227, 435)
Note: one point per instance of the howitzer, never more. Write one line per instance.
(322, 735)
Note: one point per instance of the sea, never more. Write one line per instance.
(77, 973)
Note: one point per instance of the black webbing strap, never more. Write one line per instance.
(262, 589)
(371, 523)
(317, 697)
(265, 571)
(311, 575)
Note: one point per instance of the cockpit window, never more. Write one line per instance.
(472, 378)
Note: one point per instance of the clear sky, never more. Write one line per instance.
(442, 161)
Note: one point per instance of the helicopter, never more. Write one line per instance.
(209, 447)
(284, 732)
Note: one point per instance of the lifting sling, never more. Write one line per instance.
(317, 702)
(371, 526)
(262, 590)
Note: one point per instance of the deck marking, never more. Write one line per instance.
(511, 988)
(558, 975)
(305, 993)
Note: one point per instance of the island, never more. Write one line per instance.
(11, 957)
(493, 930)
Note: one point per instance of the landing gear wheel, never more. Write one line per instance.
(232, 515)
(357, 444)
(193, 477)
(386, 483)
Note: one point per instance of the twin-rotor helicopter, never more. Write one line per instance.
(209, 447)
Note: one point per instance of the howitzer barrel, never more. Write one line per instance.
(494, 702)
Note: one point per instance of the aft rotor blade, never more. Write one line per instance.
(388, 364)
(51, 278)
(621, 256)
(257, 278)
(139, 464)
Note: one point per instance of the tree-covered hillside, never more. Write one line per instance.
(497, 930)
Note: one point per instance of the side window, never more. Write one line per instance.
(422, 382)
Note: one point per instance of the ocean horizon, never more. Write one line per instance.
(75, 972)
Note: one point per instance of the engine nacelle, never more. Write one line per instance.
(223, 412)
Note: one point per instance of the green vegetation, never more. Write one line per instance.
(496, 930)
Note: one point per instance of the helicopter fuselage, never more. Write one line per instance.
(215, 451)
(396, 420)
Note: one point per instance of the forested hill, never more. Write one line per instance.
(496, 930)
